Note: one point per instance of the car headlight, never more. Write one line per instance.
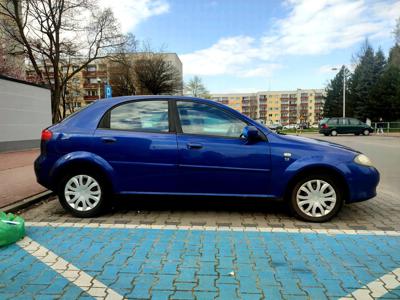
(363, 160)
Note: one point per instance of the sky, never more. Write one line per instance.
(260, 45)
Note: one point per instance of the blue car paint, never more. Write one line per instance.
(161, 163)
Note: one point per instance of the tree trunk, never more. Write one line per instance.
(55, 106)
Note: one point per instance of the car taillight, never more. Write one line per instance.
(46, 135)
(324, 126)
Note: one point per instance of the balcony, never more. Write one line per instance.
(90, 85)
(94, 73)
(90, 98)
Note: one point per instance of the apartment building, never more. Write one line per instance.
(270, 107)
(88, 84)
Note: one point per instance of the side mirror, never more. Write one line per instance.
(250, 133)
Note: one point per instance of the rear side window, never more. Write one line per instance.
(333, 121)
(203, 119)
(145, 116)
(355, 122)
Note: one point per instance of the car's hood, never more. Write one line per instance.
(322, 143)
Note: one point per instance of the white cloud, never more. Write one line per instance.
(226, 56)
(131, 12)
(318, 27)
(310, 28)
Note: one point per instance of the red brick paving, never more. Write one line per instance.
(17, 178)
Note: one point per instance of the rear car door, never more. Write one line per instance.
(213, 158)
(355, 126)
(138, 141)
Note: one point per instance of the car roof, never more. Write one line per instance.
(117, 100)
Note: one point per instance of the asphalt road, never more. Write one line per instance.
(384, 153)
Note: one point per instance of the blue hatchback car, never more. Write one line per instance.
(166, 145)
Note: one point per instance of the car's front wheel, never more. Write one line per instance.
(83, 194)
(316, 198)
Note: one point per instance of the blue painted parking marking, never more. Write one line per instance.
(189, 264)
(22, 276)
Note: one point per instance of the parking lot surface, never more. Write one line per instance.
(164, 248)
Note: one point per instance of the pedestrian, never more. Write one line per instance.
(380, 126)
(299, 128)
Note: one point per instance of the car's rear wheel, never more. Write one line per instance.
(366, 132)
(316, 198)
(83, 194)
(333, 133)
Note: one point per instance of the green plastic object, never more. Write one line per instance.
(12, 228)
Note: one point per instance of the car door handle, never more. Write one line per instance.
(108, 140)
(194, 146)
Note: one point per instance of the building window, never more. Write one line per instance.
(91, 68)
(91, 93)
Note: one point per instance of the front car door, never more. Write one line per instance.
(138, 141)
(213, 158)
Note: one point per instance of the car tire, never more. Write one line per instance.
(325, 196)
(83, 194)
(333, 133)
(366, 132)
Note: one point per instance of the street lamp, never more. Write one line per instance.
(98, 87)
(344, 89)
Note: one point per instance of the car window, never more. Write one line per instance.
(150, 116)
(198, 118)
(354, 122)
(333, 121)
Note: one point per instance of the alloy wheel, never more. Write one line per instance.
(316, 198)
(82, 192)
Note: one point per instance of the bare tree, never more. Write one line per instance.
(121, 73)
(196, 88)
(10, 62)
(56, 33)
(155, 75)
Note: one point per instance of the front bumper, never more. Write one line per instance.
(362, 182)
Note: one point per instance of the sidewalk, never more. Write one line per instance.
(17, 178)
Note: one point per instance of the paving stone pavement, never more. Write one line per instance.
(381, 213)
(205, 249)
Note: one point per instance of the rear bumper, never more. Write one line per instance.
(323, 131)
(42, 167)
